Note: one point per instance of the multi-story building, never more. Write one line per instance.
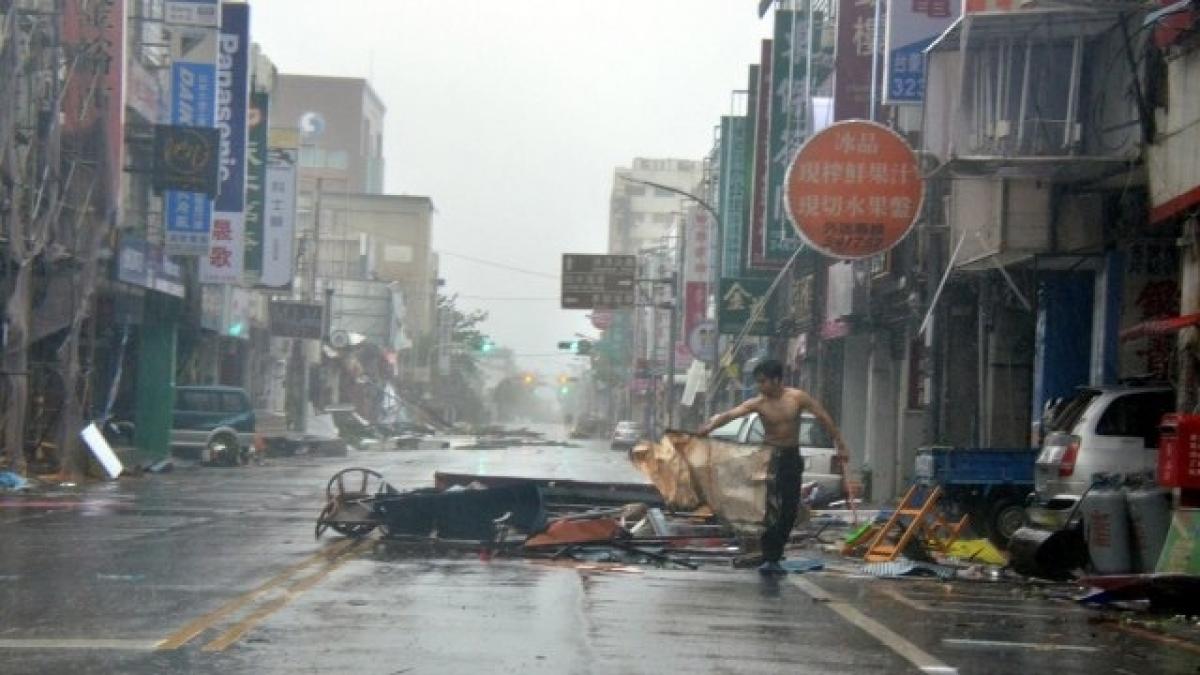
(640, 214)
(341, 122)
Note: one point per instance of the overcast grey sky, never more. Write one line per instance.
(512, 116)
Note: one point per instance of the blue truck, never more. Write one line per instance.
(988, 484)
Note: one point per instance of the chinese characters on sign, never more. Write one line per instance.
(912, 25)
(741, 299)
(854, 190)
(224, 262)
(852, 64)
(598, 281)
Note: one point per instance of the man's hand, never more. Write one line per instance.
(712, 423)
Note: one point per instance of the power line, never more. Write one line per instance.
(510, 298)
(500, 265)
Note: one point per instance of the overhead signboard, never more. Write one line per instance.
(192, 103)
(297, 320)
(788, 124)
(185, 158)
(912, 26)
(143, 264)
(756, 234)
(93, 100)
(256, 179)
(733, 193)
(854, 190)
(852, 61)
(740, 300)
(193, 12)
(224, 263)
(279, 215)
(598, 281)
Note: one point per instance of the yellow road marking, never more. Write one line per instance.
(235, 632)
(203, 623)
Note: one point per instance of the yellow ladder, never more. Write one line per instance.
(935, 532)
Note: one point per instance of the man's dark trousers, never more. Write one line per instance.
(783, 501)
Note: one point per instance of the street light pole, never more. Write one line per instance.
(716, 279)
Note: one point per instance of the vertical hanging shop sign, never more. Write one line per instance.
(852, 63)
(696, 270)
(733, 193)
(224, 262)
(256, 176)
(188, 215)
(93, 36)
(757, 232)
(911, 27)
(788, 126)
(279, 217)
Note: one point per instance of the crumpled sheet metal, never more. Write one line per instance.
(691, 472)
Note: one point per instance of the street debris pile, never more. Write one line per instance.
(706, 504)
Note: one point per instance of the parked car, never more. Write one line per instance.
(589, 427)
(821, 463)
(213, 424)
(1109, 430)
(626, 435)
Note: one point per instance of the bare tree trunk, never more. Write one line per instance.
(16, 368)
(70, 448)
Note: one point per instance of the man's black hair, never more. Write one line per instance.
(769, 369)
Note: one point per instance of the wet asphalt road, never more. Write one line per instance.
(211, 570)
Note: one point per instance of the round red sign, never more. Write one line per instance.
(854, 190)
(601, 318)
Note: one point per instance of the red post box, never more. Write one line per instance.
(1179, 451)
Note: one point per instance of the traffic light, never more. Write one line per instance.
(527, 378)
(487, 346)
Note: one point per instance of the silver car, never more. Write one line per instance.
(1100, 430)
(821, 463)
(626, 435)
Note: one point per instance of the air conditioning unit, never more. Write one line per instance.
(1007, 219)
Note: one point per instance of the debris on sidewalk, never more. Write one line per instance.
(13, 481)
(976, 551)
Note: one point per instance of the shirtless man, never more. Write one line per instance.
(780, 409)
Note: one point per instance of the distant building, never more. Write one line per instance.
(640, 215)
(341, 123)
(384, 239)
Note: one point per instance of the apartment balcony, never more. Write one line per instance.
(1045, 94)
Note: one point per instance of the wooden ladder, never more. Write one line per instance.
(915, 521)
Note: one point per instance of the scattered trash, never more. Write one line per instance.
(576, 531)
(802, 565)
(976, 550)
(909, 568)
(1178, 593)
(161, 466)
(690, 472)
(101, 450)
(1056, 555)
(12, 481)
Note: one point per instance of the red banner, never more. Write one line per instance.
(93, 35)
(852, 60)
